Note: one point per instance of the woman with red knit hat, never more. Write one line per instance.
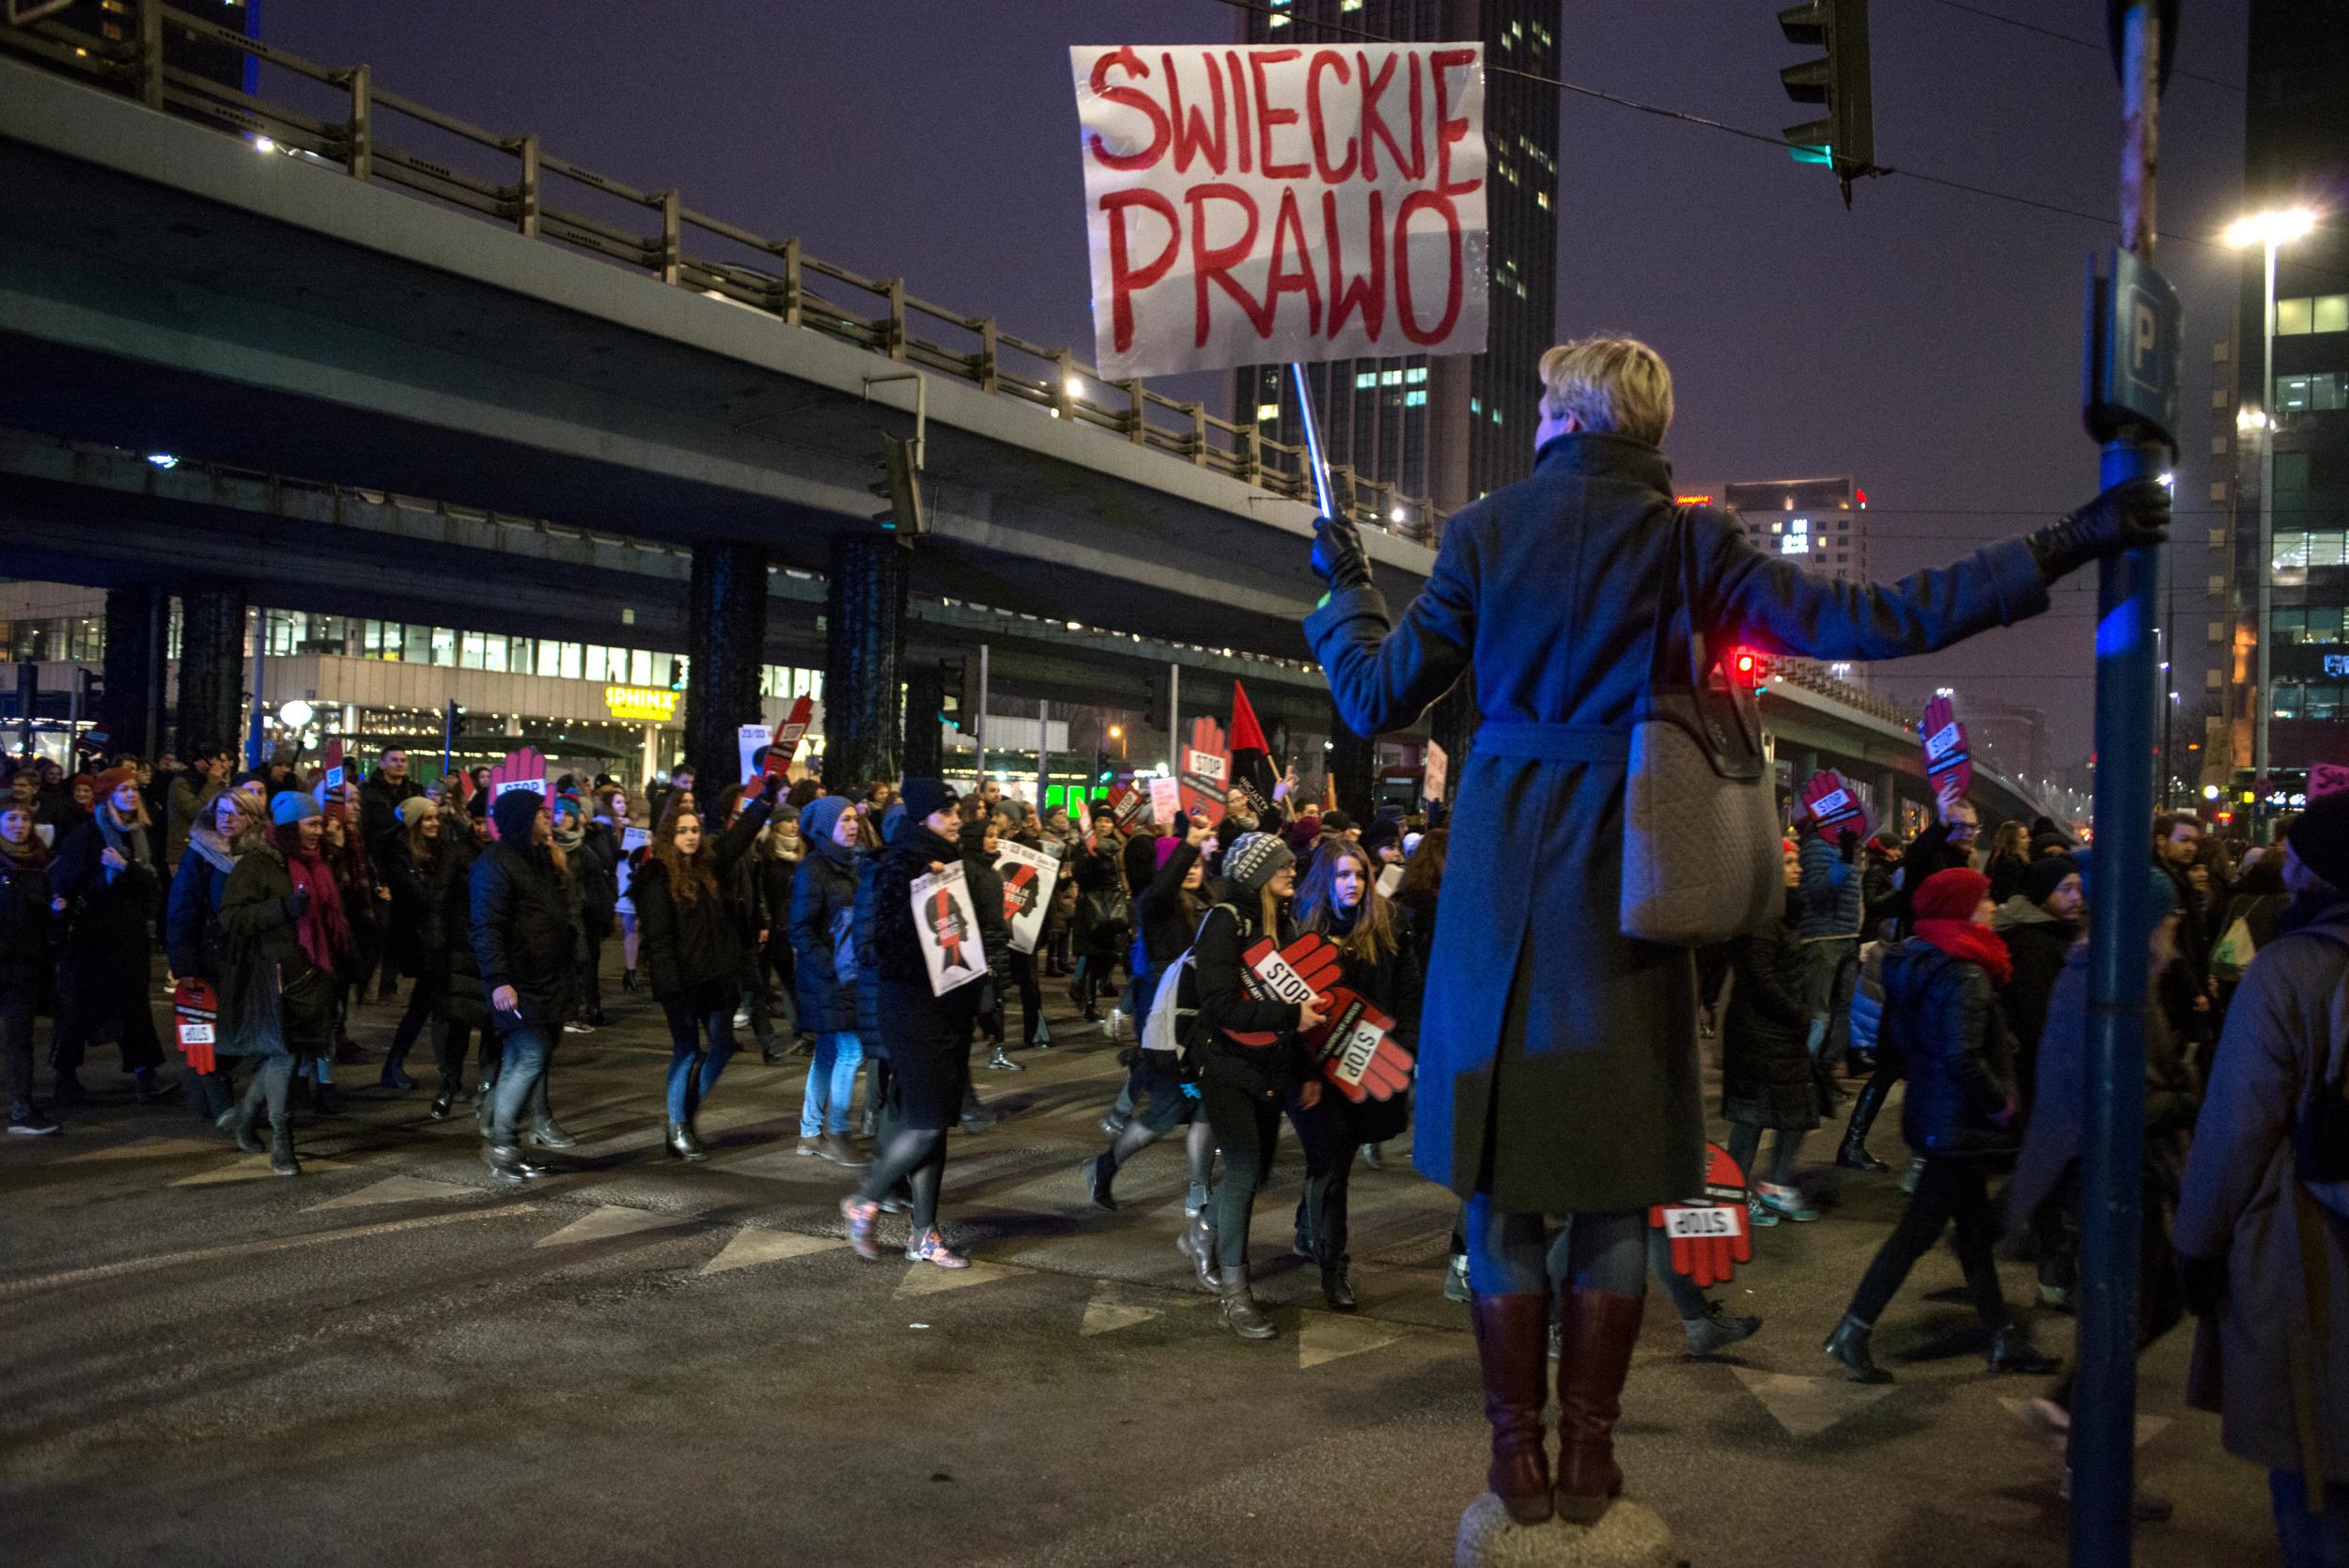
(1941, 1014)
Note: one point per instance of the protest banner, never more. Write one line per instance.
(1357, 1051)
(1437, 775)
(1708, 1234)
(1247, 205)
(522, 770)
(1203, 772)
(948, 924)
(1833, 805)
(1949, 764)
(333, 777)
(196, 1023)
(785, 743)
(1302, 972)
(750, 741)
(1166, 800)
(1029, 878)
(631, 840)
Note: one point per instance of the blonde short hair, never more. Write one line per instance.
(1615, 384)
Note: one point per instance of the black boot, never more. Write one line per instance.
(1854, 1155)
(684, 1145)
(1848, 1348)
(1337, 1291)
(281, 1149)
(238, 1120)
(394, 1074)
(628, 980)
(2011, 1350)
(504, 1162)
(441, 1101)
(484, 1106)
(1716, 1331)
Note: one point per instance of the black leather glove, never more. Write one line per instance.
(1337, 555)
(2130, 515)
(294, 903)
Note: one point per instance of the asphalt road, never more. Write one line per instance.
(388, 1361)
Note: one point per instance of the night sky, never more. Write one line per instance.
(1927, 342)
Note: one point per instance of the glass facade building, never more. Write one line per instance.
(1455, 428)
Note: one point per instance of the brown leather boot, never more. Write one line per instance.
(1596, 1330)
(1511, 1334)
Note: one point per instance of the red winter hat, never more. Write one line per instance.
(1952, 894)
(110, 780)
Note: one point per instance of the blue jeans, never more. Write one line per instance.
(2319, 1539)
(1512, 1254)
(687, 1032)
(524, 1063)
(831, 1083)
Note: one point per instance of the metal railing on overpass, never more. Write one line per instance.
(785, 282)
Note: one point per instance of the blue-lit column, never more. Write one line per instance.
(725, 638)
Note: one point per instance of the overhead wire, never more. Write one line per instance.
(1660, 111)
(2074, 38)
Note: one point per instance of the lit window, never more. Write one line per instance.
(1267, 412)
(1414, 399)
(1367, 379)
(1278, 21)
(1543, 198)
(2329, 313)
(1416, 373)
(1390, 378)
(1476, 405)
(2294, 316)
(1496, 415)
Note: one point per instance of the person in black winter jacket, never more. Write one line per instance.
(1169, 911)
(2040, 924)
(449, 939)
(525, 938)
(1340, 898)
(745, 894)
(1250, 1060)
(776, 862)
(27, 926)
(823, 945)
(194, 941)
(979, 850)
(925, 1036)
(105, 872)
(408, 866)
(691, 946)
(592, 850)
(1098, 929)
(1766, 1064)
(1941, 1009)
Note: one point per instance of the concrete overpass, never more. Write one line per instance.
(166, 287)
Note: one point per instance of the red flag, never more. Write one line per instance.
(1252, 773)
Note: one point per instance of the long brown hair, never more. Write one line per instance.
(1423, 873)
(690, 876)
(1373, 935)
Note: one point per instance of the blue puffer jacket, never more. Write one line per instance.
(1942, 1014)
(1867, 998)
(1830, 894)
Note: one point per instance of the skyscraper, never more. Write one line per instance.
(2296, 145)
(1449, 428)
(1820, 524)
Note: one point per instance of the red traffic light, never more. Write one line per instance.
(1745, 668)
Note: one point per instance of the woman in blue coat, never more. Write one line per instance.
(1558, 1065)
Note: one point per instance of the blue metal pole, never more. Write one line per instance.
(2101, 1450)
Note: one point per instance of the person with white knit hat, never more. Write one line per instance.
(1250, 1061)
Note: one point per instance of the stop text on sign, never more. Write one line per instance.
(1253, 204)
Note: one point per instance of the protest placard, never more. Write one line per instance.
(522, 770)
(948, 925)
(1252, 204)
(1029, 878)
(1166, 800)
(1949, 764)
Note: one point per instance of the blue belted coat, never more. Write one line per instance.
(1558, 1058)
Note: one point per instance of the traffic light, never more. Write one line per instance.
(1845, 140)
(900, 485)
(954, 677)
(1746, 669)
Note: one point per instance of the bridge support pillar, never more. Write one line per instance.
(1889, 801)
(1353, 762)
(923, 753)
(864, 644)
(131, 708)
(725, 637)
(212, 711)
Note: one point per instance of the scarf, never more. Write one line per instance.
(568, 839)
(1976, 944)
(323, 931)
(215, 849)
(31, 855)
(128, 839)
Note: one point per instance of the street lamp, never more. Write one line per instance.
(2268, 230)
